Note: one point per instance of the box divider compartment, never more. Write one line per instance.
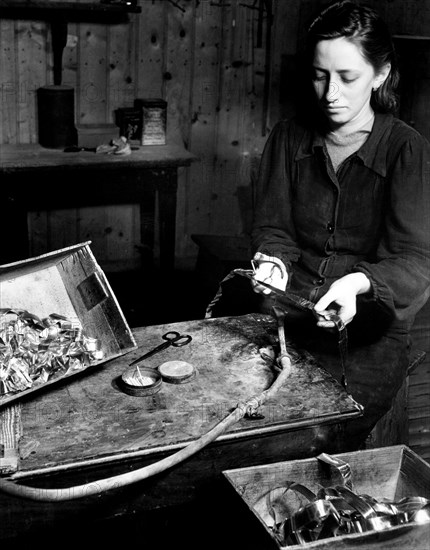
(388, 472)
(67, 282)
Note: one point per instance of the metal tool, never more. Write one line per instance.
(284, 360)
(286, 298)
(171, 338)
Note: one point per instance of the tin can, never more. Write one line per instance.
(56, 116)
(154, 118)
(129, 121)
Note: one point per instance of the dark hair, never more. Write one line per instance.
(362, 26)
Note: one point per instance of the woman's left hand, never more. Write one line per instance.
(343, 295)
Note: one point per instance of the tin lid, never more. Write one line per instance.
(150, 102)
(177, 372)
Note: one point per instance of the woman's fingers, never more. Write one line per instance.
(343, 295)
(346, 314)
(259, 288)
(324, 318)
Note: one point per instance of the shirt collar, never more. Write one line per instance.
(373, 152)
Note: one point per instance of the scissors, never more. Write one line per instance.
(171, 338)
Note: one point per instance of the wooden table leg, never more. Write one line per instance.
(167, 190)
(13, 225)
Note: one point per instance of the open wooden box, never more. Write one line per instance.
(390, 472)
(67, 282)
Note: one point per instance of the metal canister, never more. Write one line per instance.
(56, 116)
(154, 120)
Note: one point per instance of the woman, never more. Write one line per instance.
(343, 206)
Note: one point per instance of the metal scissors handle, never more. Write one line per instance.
(172, 338)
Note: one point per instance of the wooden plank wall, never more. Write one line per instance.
(207, 59)
(211, 61)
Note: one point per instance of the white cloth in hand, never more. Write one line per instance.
(269, 270)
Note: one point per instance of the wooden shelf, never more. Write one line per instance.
(24, 157)
(68, 11)
(410, 37)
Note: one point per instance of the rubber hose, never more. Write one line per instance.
(121, 480)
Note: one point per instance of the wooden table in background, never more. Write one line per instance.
(88, 429)
(33, 177)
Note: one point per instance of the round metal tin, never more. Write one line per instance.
(140, 381)
(177, 372)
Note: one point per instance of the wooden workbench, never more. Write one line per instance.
(34, 177)
(88, 429)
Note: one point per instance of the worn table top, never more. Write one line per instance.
(90, 420)
(19, 158)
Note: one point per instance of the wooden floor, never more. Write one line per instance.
(219, 526)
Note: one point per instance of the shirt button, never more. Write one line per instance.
(318, 282)
(330, 227)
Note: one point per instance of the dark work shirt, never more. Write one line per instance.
(372, 216)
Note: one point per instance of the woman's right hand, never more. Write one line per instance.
(343, 294)
(270, 273)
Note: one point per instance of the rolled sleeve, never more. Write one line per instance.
(273, 231)
(400, 273)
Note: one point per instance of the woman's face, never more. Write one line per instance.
(343, 81)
